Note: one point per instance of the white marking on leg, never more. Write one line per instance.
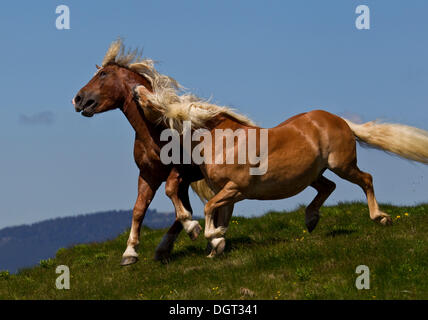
(220, 231)
(130, 252)
(216, 233)
(216, 241)
(218, 245)
(189, 225)
(185, 217)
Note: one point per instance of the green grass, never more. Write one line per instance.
(270, 257)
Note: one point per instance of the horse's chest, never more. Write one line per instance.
(145, 157)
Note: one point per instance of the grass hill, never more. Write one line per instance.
(269, 257)
(25, 245)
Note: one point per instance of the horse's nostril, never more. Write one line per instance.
(89, 103)
(77, 99)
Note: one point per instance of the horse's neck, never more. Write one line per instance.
(146, 132)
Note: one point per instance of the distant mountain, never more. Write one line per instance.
(25, 245)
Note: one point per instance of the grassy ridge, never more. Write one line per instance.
(270, 257)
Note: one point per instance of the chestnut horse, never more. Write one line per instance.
(112, 87)
(299, 150)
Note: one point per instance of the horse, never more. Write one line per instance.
(299, 151)
(112, 87)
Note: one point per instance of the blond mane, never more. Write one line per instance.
(174, 110)
(168, 103)
(132, 60)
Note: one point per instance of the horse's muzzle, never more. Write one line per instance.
(85, 104)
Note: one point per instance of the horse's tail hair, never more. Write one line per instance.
(202, 189)
(404, 141)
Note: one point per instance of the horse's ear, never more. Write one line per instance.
(98, 67)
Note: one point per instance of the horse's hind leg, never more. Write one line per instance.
(324, 187)
(353, 174)
(222, 218)
(226, 197)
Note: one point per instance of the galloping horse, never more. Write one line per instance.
(112, 87)
(299, 150)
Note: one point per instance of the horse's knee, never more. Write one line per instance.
(172, 184)
(171, 190)
(208, 210)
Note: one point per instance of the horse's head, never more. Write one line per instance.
(113, 83)
(106, 90)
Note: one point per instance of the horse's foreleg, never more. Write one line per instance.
(177, 189)
(226, 197)
(324, 187)
(146, 192)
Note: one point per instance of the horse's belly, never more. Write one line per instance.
(275, 193)
(279, 188)
(294, 162)
(285, 179)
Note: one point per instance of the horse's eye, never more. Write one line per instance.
(103, 74)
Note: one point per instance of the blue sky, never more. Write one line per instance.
(268, 59)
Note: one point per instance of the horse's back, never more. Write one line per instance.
(323, 121)
(331, 125)
(319, 116)
(297, 116)
(319, 132)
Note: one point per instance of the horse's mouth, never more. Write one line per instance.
(89, 111)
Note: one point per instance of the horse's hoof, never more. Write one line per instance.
(195, 231)
(126, 261)
(311, 224)
(162, 255)
(218, 246)
(386, 221)
(209, 247)
(212, 254)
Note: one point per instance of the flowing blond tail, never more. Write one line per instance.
(202, 189)
(404, 141)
